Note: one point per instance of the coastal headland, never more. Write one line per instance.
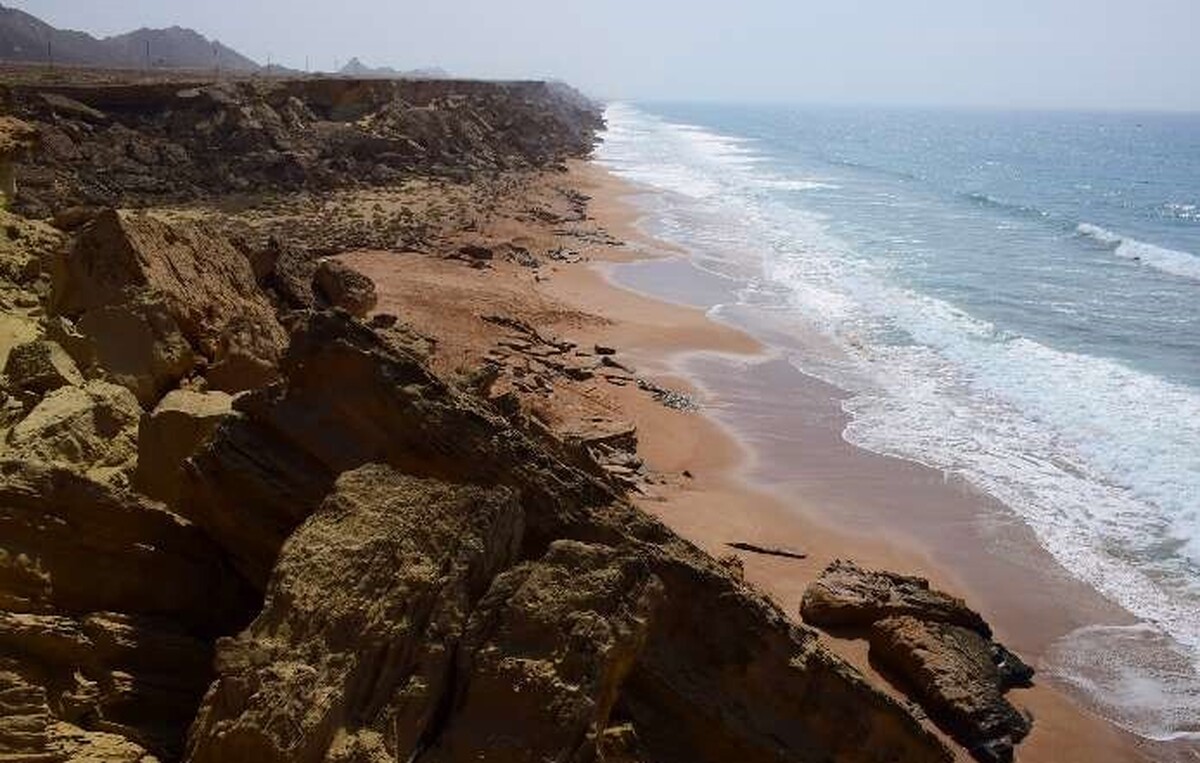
(328, 436)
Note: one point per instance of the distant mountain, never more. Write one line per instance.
(24, 37)
(177, 48)
(356, 68)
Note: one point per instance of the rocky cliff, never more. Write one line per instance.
(164, 142)
(239, 523)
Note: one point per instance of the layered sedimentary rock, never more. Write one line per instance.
(138, 144)
(353, 558)
(155, 297)
(359, 632)
(108, 605)
(620, 634)
(934, 646)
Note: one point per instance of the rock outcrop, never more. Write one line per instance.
(158, 142)
(108, 605)
(357, 642)
(612, 633)
(92, 428)
(847, 595)
(952, 671)
(179, 425)
(136, 286)
(336, 284)
(933, 646)
(349, 398)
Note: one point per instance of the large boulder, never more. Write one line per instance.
(359, 630)
(846, 595)
(933, 646)
(92, 429)
(337, 284)
(180, 424)
(546, 652)
(136, 344)
(40, 367)
(208, 288)
(952, 672)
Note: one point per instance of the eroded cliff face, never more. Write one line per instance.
(237, 524)
(153, 143)
(628, 631)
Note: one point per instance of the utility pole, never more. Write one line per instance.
(50, 53)
(147, 55)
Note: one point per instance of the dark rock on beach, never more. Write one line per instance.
(933, 646)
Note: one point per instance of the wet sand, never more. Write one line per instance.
(764, 460)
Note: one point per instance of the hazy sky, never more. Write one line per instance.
(1039, 53)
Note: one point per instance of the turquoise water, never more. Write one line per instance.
(1013, 298)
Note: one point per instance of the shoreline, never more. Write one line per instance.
(798, 485)
(811, 511)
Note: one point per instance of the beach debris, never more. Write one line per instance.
(940, 650)
(754, 548)
(562, 254)
(597, 236)
(678, 401)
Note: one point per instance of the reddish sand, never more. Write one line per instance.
(783, 476)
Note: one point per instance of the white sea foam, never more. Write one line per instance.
(1100, 460)
(1170, 261)
(1133, 674)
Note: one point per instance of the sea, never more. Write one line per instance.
(1010, 297)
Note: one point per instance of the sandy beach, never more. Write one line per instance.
(763, 460)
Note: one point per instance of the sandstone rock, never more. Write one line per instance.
(724, 675)
(952, 673)
(359, 628)
(103, 686)
(136, 344)
(24, 245)
(15, 330)
(91, 428)
(30, 732)
(107, 609)
(846, 595)
(41, 367)
(71, 545)
(351, 398)
(207, 286)
(182, 422)
(934, 646)
(339, 285)
(545, 655)
(290, 274)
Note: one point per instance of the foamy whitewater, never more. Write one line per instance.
(1011, 298)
